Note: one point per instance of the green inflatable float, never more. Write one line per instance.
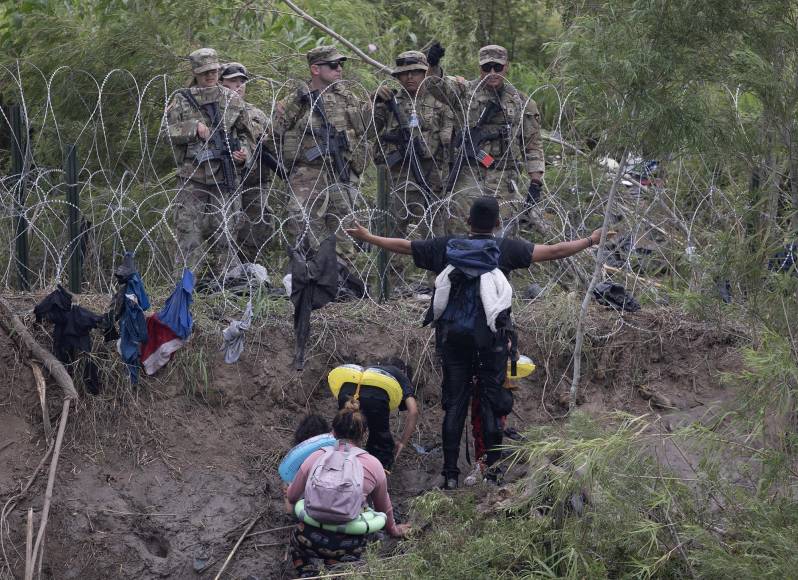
(366, 523)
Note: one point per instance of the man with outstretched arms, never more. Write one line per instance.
(471, 312)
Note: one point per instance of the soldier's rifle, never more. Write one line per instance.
(407, 145)
(267, 159)
(330, 142)
(471, 141)
(220, 145)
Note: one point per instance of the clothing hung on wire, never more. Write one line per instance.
(71, 333)
(314, 283)
(233, 336)
(128, 281)
(127, 307)
(168, 329)
(133, 333)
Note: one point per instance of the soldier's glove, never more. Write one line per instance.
(435, 54)
(533, 193)
(383, 93)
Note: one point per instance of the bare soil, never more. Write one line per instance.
(159, 480)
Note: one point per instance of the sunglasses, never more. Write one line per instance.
(406, 61)
(334, 64)
(492, 66)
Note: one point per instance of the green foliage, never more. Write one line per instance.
(639, 520)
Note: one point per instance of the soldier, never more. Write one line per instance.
(258, 219)
(324, 145)
(499, 136)
(414, 131)
(211, 140)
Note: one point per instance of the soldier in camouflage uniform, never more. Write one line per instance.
(206, 211)
(258, 219)
(415, 206)
(320, 197)
(514, 147)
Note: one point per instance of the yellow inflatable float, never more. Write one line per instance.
(368, 377)
(523, 368)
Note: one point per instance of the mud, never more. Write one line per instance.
(159, 481)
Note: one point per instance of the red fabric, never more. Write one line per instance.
(476, 423)
(159, 336)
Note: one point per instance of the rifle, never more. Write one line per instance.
(331, 143)
(220, 146)
(406, 144)
(471, 144)
(266, 159)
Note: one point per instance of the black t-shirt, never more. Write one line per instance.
(348, 389)
(431, 254)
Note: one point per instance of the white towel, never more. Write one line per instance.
(494, 291)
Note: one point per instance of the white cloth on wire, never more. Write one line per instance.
(234, 336)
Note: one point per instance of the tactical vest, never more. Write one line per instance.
(435, 121)
(506, 148)
(231, 107)
(342, 110)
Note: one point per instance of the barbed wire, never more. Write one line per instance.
(128, 191)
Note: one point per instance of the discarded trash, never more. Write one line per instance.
(615, 296)
(533, 291)
(724, 289)
(421, 450)
(786, 260)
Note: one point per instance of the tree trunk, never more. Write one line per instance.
(597, 270)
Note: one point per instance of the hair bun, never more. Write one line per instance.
(352, 405)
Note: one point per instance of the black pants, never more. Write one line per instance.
(380, 442)
(463, 360)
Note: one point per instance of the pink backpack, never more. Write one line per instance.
(334, 489)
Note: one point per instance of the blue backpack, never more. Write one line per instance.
(470, 258)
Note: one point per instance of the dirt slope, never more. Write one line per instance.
(158, 480)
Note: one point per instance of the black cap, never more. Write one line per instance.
(484, 214)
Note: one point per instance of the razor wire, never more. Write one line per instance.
(128, 191)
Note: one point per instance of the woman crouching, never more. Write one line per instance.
(336, 484)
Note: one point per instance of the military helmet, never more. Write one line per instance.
(410, 60)
(493, 53)
(203, 60)
(232, 70)
(322, 54)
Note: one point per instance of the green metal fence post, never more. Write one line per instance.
(73, 219)
(20, 221)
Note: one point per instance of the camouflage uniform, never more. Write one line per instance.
(259, 183)
(417, 213)
(257, 226)
(317, 202)
(203, 212)
(518, 146)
